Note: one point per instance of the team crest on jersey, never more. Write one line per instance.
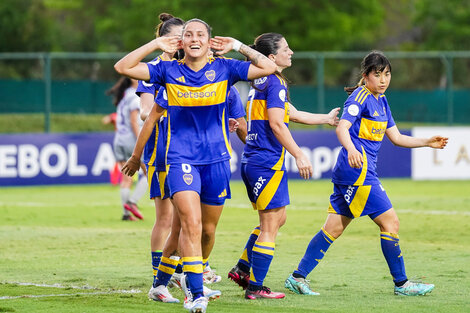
(188, 179)
(261, 80)
(210, 75)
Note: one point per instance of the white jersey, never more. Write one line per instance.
(124, 134)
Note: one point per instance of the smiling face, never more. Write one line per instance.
(195, 40)
(283, 56)
(378, 81)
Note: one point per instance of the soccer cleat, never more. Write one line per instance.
(128, 218)
(197, 306)
(240, 277)
(263, 293)
(411, 288)
(175, 280)
(132, 207)
(161, 293)
(209, 276)
(211, 294)
(300, 286)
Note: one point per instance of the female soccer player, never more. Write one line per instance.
(127, 130)
(357, 189)
(197, 153)
(263, 168)
(154, 154)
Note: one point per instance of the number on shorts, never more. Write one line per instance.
(186, 168)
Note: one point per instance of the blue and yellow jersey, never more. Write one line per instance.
(234, 104)
(262, 147)
(150, 149)
(197, 115)
(162, 100)
(370, 118)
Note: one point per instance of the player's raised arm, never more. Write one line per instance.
(308, 118)
(260, 65)
(131, 66)
(398, 139)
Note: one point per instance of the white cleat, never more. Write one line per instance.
(209, 276)
(161, 293)
(197, 306)
(175, 281)
(211, 294)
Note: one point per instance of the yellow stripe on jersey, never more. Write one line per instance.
(360, 199)
(210, 94)
(372, 130)
(278, 165)
(283, 82)
(168, 138)
(362, 176)
(363, 97)
(227, 142)
(359, 94)
(269, 191)
(259, 111)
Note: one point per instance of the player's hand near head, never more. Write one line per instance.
(222, 45)
(437, 142)
(169, 44)
(132, 165)
(355, 159)
(333, 117)
(304, 166)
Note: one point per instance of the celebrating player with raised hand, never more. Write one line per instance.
(357, 189)
(198, 149)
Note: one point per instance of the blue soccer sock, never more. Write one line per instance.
(315, 251)
(192, 267)
(156, 257)
(263, 253)
(244, 263)
(165, 270)
(392, 253)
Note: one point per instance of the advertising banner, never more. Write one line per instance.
(452, 162)
(44, 159)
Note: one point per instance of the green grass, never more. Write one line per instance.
(73, 236)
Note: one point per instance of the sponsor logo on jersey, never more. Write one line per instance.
(282, 95)
(181, 79)
(375, 113)
(210, 94)
(188, 179)
(261, 80)
(210, 75)
(372, 130)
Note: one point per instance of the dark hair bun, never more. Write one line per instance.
(252, 46)
(165, 17)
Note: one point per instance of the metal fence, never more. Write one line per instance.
(431, 86)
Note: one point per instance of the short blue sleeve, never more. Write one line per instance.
(238, 70)
(157, 72)
(352, 108)
(277, 92)
(235, 105)
(145, 87)
(162, 98)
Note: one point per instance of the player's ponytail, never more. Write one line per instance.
(167, 21)
(374, 61)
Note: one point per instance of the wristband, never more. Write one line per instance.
(236, 45)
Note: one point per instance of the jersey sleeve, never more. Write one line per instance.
(352, 109)
(391, 121)
(157, 72)
(235, 105)
(145, 87)
(277, 93)
(162, 98)
(238, 70)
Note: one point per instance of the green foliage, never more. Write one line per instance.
(73, 236)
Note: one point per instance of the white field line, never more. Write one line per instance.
(106, 292)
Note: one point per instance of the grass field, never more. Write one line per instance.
(73, 236)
